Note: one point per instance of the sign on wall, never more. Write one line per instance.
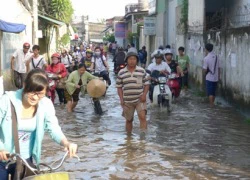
(149, 26)
(120, 31)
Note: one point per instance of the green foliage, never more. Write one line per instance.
(130, 37)
(247, 121)
(59, 9)
(109, 37)
(184, 16)
(65, 40)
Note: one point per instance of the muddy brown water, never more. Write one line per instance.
(193, 141)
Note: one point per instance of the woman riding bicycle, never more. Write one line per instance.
(35, 114)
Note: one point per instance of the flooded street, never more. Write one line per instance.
(191, 142)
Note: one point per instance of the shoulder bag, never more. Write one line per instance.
(61, 83)
(21, 170)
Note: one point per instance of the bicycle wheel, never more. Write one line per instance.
(97, 107)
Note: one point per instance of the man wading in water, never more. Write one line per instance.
(132, 87)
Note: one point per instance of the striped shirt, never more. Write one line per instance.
(132, 84)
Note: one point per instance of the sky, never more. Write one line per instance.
(100, 9)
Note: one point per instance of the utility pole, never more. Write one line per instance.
(35, 22)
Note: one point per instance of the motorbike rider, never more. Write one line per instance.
(66, 59)
(59, 71)
(119, 58)
(87, 60)
(175, 68)
(160, 48)
(100, 65)
(157, 68)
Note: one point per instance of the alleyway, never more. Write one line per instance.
(192, 142)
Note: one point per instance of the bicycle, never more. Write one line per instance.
(47, 172)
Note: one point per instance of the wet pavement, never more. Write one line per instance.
(193, 141)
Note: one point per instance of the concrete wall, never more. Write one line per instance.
(196, 15)
(232, 46)
(10, 41)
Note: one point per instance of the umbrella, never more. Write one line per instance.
(96, 88)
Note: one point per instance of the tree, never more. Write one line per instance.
(59, 9)
(109, 37)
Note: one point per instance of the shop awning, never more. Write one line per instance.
(53, 21)
(11, 27)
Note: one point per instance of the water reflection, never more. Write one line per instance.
(192, 142)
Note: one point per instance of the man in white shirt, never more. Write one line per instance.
(18, 64)
(100, 65)
(36, 60)
(66, 59)
(160, 66)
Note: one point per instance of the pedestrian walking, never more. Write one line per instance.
(132, 87)
(212, 71)
(143, 56)
(18, 64)
(183, 61)
(76, 83)
(35, 114)
(36, 60)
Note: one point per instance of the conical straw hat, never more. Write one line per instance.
(96, 88)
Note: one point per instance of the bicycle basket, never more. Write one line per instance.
(51, 176)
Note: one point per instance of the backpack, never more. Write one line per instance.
(141, 55)
(102, 62)
(33, 64)
(120, 58)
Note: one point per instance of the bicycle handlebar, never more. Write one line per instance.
(13, 157)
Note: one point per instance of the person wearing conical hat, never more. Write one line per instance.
(76, 83)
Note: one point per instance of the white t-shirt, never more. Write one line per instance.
(159, 67)
(99, 66)
(34, 63)
(67, 60)
(20, 60)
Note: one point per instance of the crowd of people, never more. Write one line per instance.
(67, 74)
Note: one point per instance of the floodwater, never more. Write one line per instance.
(193, 141)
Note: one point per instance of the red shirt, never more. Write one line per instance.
(58, 69)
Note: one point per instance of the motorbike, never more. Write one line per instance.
(52, 78)
(174, 85)
(119, 67)
(96, 101)
(161, 95)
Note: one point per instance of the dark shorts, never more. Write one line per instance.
(74, 96)
(185, 79)
(211, 88)
(143, 61)
(19, 79)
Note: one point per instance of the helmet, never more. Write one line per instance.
(89, 51)
(161, 47)
(168, 51)
(57, 55)
(120, 48)
(131, 54)
(158, 54)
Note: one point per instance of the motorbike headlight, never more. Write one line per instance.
(162, 79)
